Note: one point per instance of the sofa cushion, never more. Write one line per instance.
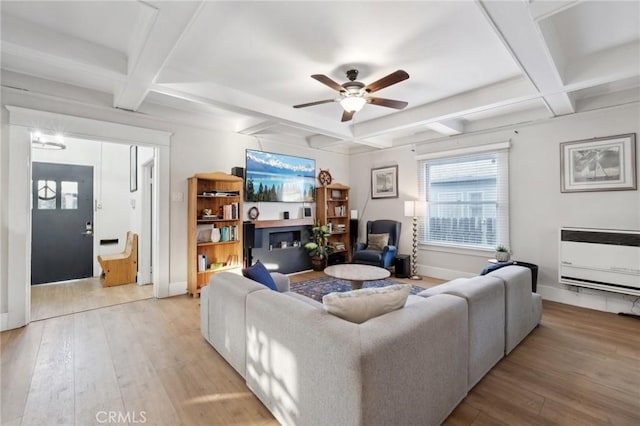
(377, 241)
(360, 305)
(259, 273)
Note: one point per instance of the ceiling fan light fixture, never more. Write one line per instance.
(352, 103)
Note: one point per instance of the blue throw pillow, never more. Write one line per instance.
(259, 273)
(495, 266)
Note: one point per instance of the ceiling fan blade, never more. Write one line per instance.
(393, 78)
(347, 115)
(326, 101)
(388, 103)
(326, 80)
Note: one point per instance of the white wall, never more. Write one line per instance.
(193, 150)
(537, 207)
(196, 151)
(4, 228)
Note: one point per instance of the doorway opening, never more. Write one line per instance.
(85, 198)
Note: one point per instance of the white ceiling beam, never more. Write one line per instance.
(544, 9)
(375, 142)
(252, 126)
(416, 137)
(501, 94)
(447, 127)
(525, 42)
(159, 32)
(322, 141)
(244, 103)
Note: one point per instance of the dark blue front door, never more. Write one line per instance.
(61, 222)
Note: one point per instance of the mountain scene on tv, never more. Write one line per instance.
(279, 178)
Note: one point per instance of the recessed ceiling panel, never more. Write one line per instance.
(594, 26)
(270, 49)
(107, 23)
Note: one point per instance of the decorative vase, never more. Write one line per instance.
(317, 263)
(502, 256)
(215, 235)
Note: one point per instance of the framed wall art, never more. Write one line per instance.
(133, 168)
(599, 164)
(384, 182)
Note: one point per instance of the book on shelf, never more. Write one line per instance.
(232, 260)
(202, 262)
(215, 193)
(230, 211)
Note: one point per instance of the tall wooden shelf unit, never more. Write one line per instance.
(213, 191)
(332, 207)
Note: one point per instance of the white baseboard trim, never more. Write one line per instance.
(4, 321)
(591, 299)
(177, 288)
(442, 273)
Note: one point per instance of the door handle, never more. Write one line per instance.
(88, 229)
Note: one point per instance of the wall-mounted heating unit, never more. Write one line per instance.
(602, 259)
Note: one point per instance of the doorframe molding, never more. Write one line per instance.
(144, 259)
(22, 121)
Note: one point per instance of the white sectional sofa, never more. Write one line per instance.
(502, 312)
(411, 366)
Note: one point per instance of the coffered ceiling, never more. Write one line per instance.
(241, 66)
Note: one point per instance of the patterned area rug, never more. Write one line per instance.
(317, 288)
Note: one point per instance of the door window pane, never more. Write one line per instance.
(47, 194)
(69, 193)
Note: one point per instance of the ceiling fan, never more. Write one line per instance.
(354, 94)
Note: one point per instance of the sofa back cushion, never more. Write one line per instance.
(360, 305)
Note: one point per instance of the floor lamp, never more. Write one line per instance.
(415, 209)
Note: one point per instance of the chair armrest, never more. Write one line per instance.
(388, 255)
(281, 280)
(360, 246)
(389, 249)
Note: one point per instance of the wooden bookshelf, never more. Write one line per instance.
(222, 194)
(332, 208)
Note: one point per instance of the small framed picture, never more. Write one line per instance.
(599, 164)
(133, 168)
(384, 182)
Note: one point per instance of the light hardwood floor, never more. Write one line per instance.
(52, 300)
(579, 367)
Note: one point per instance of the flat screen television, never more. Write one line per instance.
(271, 177)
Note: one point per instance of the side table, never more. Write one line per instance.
(402, 265)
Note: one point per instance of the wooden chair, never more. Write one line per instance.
(121, 268)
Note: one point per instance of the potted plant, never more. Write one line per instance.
(318, 247)
(502, 253)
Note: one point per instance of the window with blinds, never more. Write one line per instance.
(468, 199)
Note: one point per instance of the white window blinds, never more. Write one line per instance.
(468, 199)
